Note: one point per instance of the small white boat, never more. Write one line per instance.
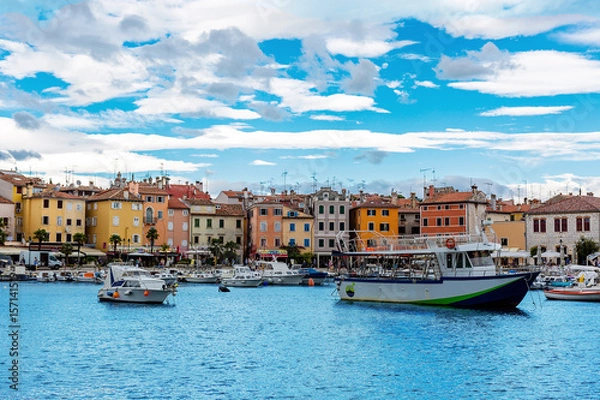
(88, 276)
(168, 277)
(587, 287)
(64, 276)
(46, 276)
(278, 273)
(242, 276)
(125, 283)
(202, 277)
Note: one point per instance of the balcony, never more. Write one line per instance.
(149, 221)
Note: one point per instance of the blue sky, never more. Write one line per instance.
(295, 95)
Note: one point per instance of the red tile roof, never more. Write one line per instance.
(568, 204)
(454, 197)
(186, 191)
(230, 210)
(114, 194)
(177, 204)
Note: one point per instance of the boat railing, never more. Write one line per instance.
(371, 241)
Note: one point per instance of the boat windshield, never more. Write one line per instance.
(480, 258)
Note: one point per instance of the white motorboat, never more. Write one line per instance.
(168, 277)
(242, 276)
(64, 276)
(126, 283)
(46, 276)
(202, 277)
(88, 277)
(453, 270)
(587, 287)
(278, 273)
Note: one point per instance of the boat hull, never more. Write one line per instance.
(133, 295)
(242, 282)
(213, 279)
(284, 280)
(573, 294)
(499, 291)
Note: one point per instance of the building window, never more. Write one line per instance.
(560, 225)
(331, 243)
(221, 223)
(371, 226)
(331, 209)
(78, 222)
(292, 242)
(135, 238)
(439, 207)
(69, 237)
(238, 224)
(209, 222)
(148, 199)
(384, 227)
(321, 209)
(461, 221)
(277, 211)
(539, 225)
(58, 237)
(171, 212)
(438, 222)
(46, 203)
(306, 242)
(276, 226)
(184, 213)
(342, 210)
(59, 221)
(59, 204)
(331, 226)
(371, 212)
(263, 226)
(264, 211)
(196, 222)
(385, 213)
(292, 227)
(160, 199)
(69, 222)
(159, 214)
(45, 220)
(447, 221)
(402, 217)
(321, 243)
(184, 227)
(115, 220)
(277, 242)
(446, 207)
(583, 224)
(170, 226)
(504, 242)
(321, 226)
(342, 226)
(306, 227)
(115, 205)
(425, 222)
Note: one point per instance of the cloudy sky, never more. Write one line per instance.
(295, 95)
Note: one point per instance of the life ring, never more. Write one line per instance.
(450, 243)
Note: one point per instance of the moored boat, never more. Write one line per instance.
(126, 283)
(242, 276)
(278, 273)
(88, 277)
(586, 288)
(453, 270)
(312, 275)
(201, 277)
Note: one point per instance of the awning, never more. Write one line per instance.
(550, 254)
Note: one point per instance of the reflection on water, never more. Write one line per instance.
(297, 343)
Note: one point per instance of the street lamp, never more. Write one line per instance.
(560, 250)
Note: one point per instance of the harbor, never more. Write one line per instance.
(295, 342)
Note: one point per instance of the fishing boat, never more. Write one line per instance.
(125, 283)
(242, 276)
(450, 270)
(202, 277)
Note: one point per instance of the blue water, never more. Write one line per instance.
(293, 343)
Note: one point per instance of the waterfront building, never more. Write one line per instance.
(12, 185)
(7, 216)
(409, 216)
(331, 212)
(265, 220)
(178, 225)
(446, 211)
(212, 221)
(115, 212)
(156, 207)
(508, 222)
(297, 229)
(374, 217)
(61, 215)
(559, 223)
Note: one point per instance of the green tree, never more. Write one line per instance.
(115, 240)
(152, 236)
(230, 251)
(584, 247)
(67, 250)
(293, 252)
(216, 249)
(41, 236)
(2, 232)
(80, 239)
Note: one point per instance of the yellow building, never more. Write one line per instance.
(297, 229)
(60, 214)
(115, 212)
(12, 186)
(374, 218)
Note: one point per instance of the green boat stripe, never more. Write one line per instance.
(456, 299)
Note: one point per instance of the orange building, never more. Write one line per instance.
(374, 218)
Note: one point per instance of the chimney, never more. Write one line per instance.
(413, 200)
(431, 191)
(474, 188)
(493, 205)
(272, 191)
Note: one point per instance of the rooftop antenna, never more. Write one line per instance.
(489, 185)
(314, 178)
(424, 170)
(284, 177)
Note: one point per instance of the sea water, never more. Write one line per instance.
(279, 342)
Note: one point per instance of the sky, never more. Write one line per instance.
(374, 96)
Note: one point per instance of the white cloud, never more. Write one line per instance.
(262, 163)
(534, 73)
(326, 118)
(585, 36)
(427, 84)
(525, 111)
(365, 48)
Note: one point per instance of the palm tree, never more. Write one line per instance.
(2, 233)
(216, 249)
(66, 249)
(229, 250)
(152, 235)
(80, 239)
(115, 240)
(41, 236)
